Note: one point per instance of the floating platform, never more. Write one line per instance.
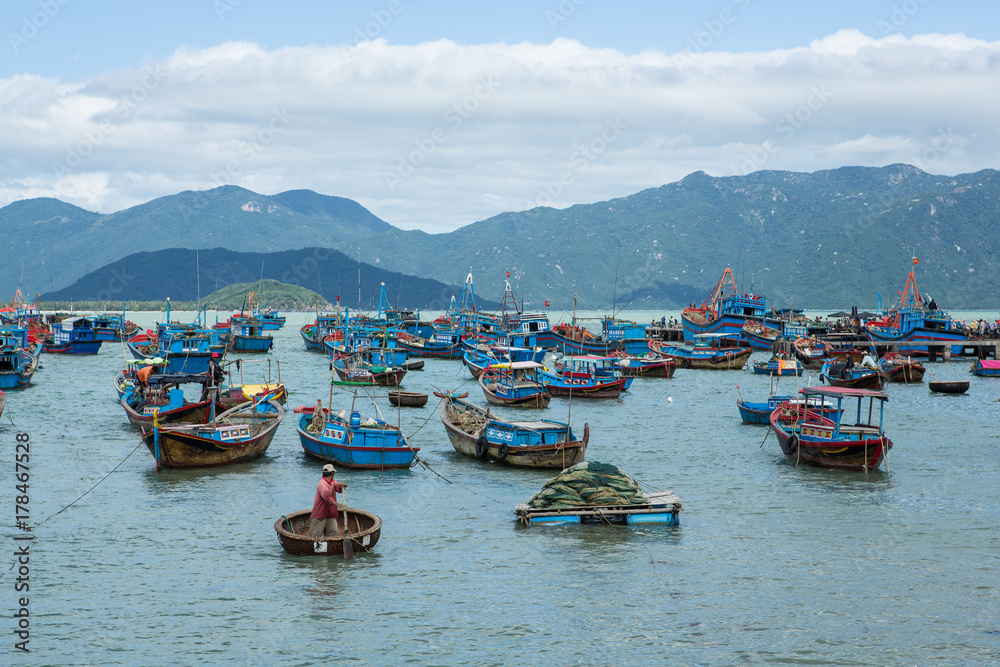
(663, 507)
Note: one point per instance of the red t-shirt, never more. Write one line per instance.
(325, 503)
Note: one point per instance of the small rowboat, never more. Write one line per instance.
(408, 399)
(364, 529)
(949, 387)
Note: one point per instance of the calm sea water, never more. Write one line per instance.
(771, 563)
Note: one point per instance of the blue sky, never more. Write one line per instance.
(86, 38)
(458, 111)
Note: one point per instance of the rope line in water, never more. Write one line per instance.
(141, 443)
(462, 486)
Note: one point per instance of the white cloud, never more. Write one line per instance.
(440, 134)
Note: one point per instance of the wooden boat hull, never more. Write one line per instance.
(612, 389)
(251, 344)
(432, 351)
(409, 399)
(364, 529)
(349, 456)
(390, 378)
(950, 387)
(861, 455)
(555, 455)
(727, 361)
(871, 380)
(766, 368)
(74, 347)
(538, 400)
(185, 449)
(193, 413)
(663, 368)
(912, 372)
(309, 338)
(535, 396)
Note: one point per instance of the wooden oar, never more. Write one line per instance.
(348, 544)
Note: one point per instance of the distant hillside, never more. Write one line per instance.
(180, 273)
(829, 239)
(60, 243)
(270, 294)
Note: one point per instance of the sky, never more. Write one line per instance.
(434, 115)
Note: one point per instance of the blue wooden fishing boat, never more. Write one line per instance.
(625, 335)
(353, 443)
(540, 443)
(444, 345)
(74, 335)
(113, 327)
(759, 335)
(914, 324)
(586, 377)
(325, 325)
(778, 366)
(726, 311)
(269, 319)
(353, 370)
(759, 412)
(846, 374)
(246, 335)
(516, 384)
(857, 443)
(18, 358)
(986, 368)
(648, 365)
(710, 351)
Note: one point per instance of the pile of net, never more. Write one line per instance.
(588, 484)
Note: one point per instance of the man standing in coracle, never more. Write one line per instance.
(323, 520)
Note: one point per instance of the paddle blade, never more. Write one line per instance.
(348, 544)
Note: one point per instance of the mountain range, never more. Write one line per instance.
(825, 239)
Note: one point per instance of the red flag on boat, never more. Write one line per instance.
(508, 274)
(546, 304)
(916, 261)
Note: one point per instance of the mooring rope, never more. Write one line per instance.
(141, 443)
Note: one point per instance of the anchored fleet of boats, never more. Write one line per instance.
(518, 359)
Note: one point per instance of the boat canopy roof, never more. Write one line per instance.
(516, 365)
(989, 363)
(843, 392)
(717, 335)
(179, 378)
(587, 358)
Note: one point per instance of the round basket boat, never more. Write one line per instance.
(408, 399)
(950, 387)
(293, 529)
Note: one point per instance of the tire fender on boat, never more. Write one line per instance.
(685, 363)
(792, 445)
(482, 448)
(502, 451)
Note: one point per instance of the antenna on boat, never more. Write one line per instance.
(197, 275)
(260, 282)
(614, 297)
(359, 279)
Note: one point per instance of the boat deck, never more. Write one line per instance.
(663, 507)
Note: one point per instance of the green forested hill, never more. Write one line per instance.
(186, 275)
